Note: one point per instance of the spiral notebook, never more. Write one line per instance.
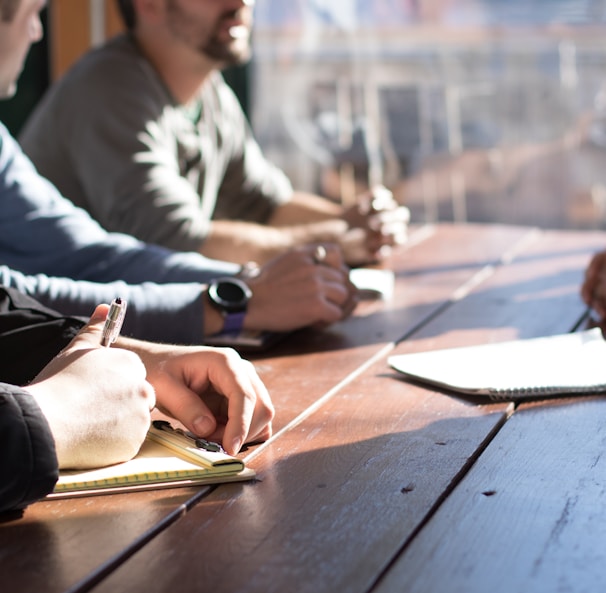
(168, 458)
(565, 364)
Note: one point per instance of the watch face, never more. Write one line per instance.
(229, 294)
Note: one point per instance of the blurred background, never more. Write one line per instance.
(469, 110)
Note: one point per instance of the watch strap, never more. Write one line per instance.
(233, 322)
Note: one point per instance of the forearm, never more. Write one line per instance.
(162, 312)
(305, 208)
(107, 257)
(242, 242)
(42, 232)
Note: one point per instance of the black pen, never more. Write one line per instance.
(113, 322)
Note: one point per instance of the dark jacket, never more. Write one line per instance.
(30, 335)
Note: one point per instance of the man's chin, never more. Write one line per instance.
(234, 54)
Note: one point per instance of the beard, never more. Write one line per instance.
(233, 52)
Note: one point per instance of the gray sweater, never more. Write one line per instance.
(113, 140)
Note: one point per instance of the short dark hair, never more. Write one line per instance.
(127, 11)
(8, 9)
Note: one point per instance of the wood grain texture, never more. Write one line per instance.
(360, 459)
(345, 490)
(429, 273)
(339, 495)
(530, 516)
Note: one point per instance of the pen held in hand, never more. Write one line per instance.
(113, 322)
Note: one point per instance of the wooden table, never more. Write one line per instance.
(371, 483)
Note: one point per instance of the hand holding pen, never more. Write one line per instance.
(96, 400)
(113, 322)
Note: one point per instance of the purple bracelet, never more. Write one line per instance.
(233, 322)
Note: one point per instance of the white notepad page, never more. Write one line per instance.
(567, 363)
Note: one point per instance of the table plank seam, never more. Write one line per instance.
(456, 480)
(319, 403)
(110, 565)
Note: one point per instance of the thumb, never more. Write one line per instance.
(90, 335)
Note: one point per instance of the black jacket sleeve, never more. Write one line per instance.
(30, 335)
(28, 463)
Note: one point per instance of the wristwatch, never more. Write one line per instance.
(230, 297)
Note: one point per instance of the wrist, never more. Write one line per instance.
(213, 320)
(228, 302)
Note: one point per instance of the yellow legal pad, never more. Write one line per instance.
(165, 460)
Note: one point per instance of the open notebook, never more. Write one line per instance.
(167, 458)
(558, 365)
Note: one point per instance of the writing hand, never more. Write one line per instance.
(95, 399)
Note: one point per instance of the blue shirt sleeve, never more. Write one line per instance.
(43, 232)
(59, 255)
(170, 312)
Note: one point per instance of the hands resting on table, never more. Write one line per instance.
(98, 400)
(376, 223)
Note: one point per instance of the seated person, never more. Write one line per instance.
(46, 424)
(145, 134)
(56, 253)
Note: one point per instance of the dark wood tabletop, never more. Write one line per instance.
(372, 483)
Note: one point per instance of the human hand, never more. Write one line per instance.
(296, 290)
(376, 223)
(212, 391)
(96, 400)
(593, 289)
